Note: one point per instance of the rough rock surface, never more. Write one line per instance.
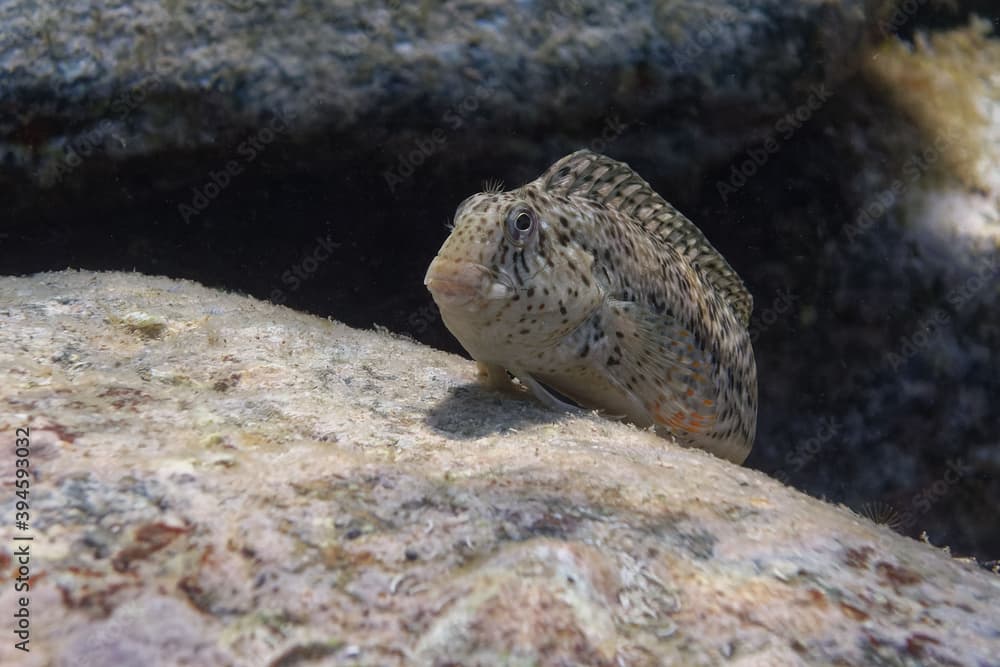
(218, 480)
(144, 77)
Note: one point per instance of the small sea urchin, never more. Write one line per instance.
(883, 514)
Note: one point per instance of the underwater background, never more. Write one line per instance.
(843, 156)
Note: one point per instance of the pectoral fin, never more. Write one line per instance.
(544, 396)
(661, 363)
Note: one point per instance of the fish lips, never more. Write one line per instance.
(462, 284)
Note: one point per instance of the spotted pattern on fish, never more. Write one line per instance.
(587, 282)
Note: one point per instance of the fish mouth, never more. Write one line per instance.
(460, 283)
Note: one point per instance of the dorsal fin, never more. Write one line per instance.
(598, 177)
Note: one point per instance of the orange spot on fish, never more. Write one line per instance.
(693, 422)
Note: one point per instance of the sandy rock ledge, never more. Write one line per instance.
(221, 481)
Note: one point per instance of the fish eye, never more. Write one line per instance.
(521, 224)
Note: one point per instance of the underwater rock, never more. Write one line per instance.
(892, 336)
(219, 480)
(141, 78)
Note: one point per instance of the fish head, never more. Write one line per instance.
(507, 280)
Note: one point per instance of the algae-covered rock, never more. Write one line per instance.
(894, 336)
(142, 77)
(252, 485)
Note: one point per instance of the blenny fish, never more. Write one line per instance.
(587, 284)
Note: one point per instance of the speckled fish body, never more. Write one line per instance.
(587, 282)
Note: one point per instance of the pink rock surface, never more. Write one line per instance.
(220, 481)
